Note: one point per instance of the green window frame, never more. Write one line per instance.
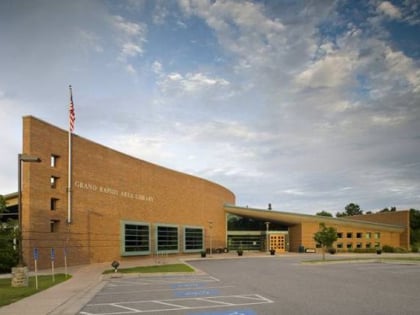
(193, 239)
(135, 238)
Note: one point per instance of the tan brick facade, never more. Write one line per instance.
(108, 187)
(111, 192)
(357, 232)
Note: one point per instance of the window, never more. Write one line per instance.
(359, 245)
(377, 235)
(377, 245)
(368, 245)
(368, 235)
(349, 234)
(54, 202)
(193, 239)
(339, 235)
(349, 245)
(136, 238)
(167, 238)
(53, 225)
(53, 160)
(359, 235)
(53, 181)
(339, 245)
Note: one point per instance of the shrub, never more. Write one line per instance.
(388, 249)
(364, 250)
(414, 249)
(332, 250)
(400, 250)
(8, 254)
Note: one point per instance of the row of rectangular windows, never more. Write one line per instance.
(359, 245)
(368, 235)
(137, 239)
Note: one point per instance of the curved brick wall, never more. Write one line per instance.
(108, 187)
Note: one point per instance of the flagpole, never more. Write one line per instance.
(69, 188)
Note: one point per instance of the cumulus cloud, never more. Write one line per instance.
(294, 103)
(390, 10)
(331, 71)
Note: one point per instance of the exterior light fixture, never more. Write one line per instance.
(29, 159)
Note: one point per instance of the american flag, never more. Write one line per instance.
(72, 116)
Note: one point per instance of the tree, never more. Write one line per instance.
(393, 209)
(350, 210)
(324, 213)
(326, 236)
(8, 233)
(414, 227)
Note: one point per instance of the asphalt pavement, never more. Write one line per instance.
(253, 285)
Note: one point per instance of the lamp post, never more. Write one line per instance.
(267, 224)
(210, 236)
(22, 158)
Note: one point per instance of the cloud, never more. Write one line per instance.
(131, 39)
(403, 68)
(175, 83)
(302, 104)
(331, 71)
(388, 9)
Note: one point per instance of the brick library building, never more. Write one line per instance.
(105, 205)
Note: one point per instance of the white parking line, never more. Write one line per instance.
(149, 306)
(143, 281)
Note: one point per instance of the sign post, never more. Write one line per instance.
(65, 262)
(36, 266)
(52, 263)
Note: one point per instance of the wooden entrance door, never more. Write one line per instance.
(278, 242)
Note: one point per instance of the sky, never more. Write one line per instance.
(307, 105)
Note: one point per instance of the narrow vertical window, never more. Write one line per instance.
(53, 226)
(53, 160)
(53, 181)
(53, 204)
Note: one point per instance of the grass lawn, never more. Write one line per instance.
(9, 295)
(152, 269)
(377, 258)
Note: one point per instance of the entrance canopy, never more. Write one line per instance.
(291, 219)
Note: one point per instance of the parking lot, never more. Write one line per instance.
(266, 285)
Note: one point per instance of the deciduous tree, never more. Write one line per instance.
(350, 210)
(324, 213)
(326, 236)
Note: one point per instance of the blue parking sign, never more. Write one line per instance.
(36, 253)
(52, 254)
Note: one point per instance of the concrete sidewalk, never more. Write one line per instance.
(68, 298)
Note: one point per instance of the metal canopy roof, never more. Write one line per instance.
(289, 218)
